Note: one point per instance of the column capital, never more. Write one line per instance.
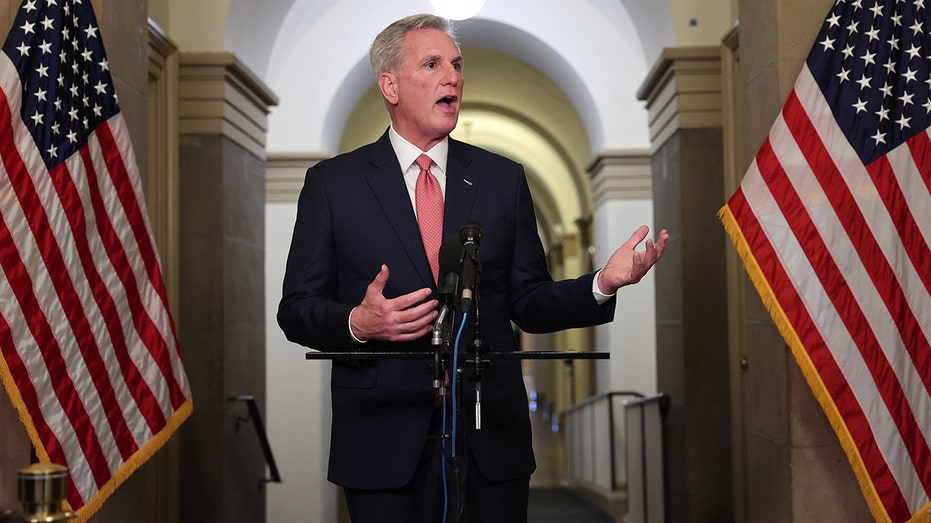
(621, 175)
(220, 95)
(683, 91)
(284, 175)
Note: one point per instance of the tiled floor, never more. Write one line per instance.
(549, 501)
(559, 505)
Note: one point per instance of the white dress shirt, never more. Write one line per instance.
(407, 153)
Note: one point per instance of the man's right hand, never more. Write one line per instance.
(397, 319)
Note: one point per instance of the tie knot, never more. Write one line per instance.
(424, 162)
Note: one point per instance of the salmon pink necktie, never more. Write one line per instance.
(429, 199)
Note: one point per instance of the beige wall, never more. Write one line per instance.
(796, 469)
(702, 22)
(194, 25)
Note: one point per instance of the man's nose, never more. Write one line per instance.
(451, 75)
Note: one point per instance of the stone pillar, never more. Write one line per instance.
(222, 121)
(683, 96)
(795, 468)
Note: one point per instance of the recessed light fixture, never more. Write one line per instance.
(457, 9)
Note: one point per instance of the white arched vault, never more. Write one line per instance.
(319, 65)
(254, 29)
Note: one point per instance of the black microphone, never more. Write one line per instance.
(450, 259)
(470, 235)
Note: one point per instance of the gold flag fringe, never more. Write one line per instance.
(811, 374)
(122, 474)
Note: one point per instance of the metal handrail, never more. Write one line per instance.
(589, 404)
(603, 395)
(256, 418)
(662, 401)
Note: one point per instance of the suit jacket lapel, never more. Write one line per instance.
(461, 186)
(387, 182)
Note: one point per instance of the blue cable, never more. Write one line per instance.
(465, 317)
(453, 430)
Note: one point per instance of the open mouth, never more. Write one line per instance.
(446, 100)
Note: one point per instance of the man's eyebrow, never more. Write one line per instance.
(439, 58)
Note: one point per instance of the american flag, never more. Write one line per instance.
(90, 356)
(833, 222)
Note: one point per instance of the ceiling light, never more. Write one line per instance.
(457, 9)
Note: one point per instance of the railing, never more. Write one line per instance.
(596, 432)
(256, 417)
(646, 459)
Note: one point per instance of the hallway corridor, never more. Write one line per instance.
(560, 505)
(550, 501)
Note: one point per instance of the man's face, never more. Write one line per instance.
(424, 95)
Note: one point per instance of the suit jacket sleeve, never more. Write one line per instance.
(309, 313)
(538, 304)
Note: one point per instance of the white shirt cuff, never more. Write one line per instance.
(352, 334)
(600, 297)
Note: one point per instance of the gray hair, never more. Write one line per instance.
(385, 53)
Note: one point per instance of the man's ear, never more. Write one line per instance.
(388, 84)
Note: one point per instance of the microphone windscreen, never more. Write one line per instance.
(470, 232)
(450, 258)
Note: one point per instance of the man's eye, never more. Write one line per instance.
(430, 65)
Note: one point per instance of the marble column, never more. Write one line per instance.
(683, 97)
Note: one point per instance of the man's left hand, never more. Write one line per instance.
(628, 266)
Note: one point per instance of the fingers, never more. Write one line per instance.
(377, 288)
(661, 241)
(628, 265)
(637, 237)
(411, 299)
(412, 319)
(381, 279)
(414, 322)
(659, 246)
(653, 248)
(403, 318)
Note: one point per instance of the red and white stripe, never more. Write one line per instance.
(85, 332)
(844, 252)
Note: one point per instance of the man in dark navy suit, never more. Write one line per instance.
(358, 277)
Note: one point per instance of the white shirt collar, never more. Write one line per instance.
(408, 152)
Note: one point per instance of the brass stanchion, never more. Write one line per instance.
(42, 488)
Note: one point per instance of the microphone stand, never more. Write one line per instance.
(440, 341)
(472, 272)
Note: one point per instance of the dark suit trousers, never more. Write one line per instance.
(422, 500)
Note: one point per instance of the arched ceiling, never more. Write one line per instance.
(547, 83)
(653, 28)
(591, 50)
